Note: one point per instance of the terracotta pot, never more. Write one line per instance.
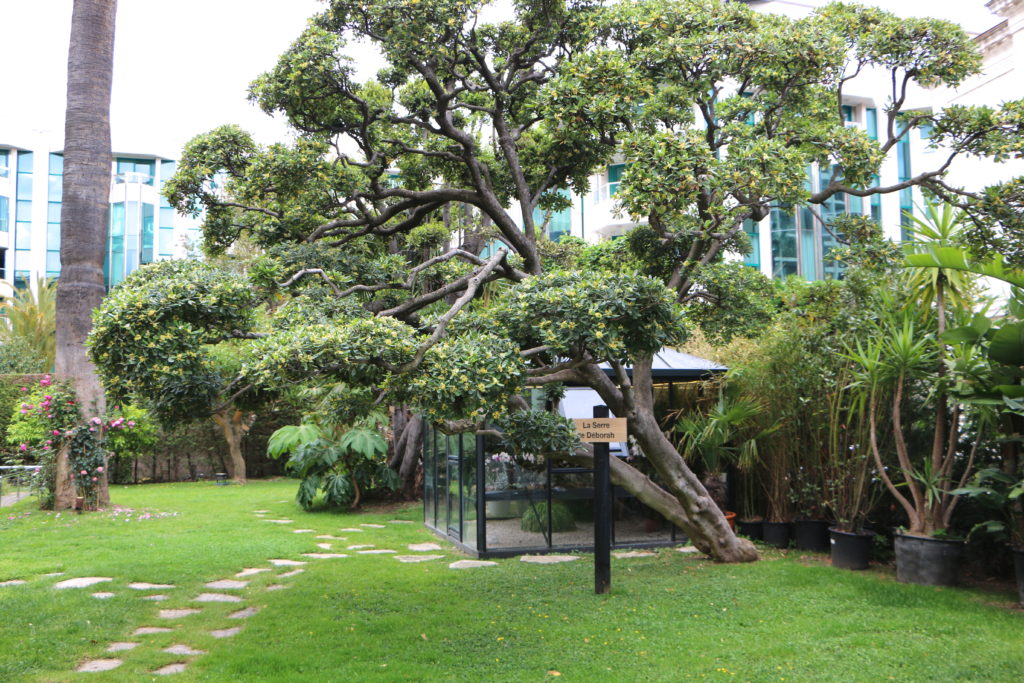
(731, 518)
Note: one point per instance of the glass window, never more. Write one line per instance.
(135, 170)
(784, 250)
(5, 210)
(166, 217)
(21, 278)
(166, 241)
(23, 211)
(871, 114)
(52, 262)
(26, 160)
(848, 113)
(53, 212)
(55, 188)
(615, 172)
(56, 164)
(906, 196)
(558, 223)
(146, 254)
(24, 191)
(4, 163)
(22, 235)
(753, 259)
(53, 236)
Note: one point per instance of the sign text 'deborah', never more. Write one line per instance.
(601, 429)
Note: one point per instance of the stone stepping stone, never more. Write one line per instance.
(279, 521)
(324, 546)
(156, 597)
(287, 563)
(277, 587)
(471, 564)
(324, 556)
(261, 512)
(332, 538)
(360, 547)
(12, 582)
(81, 582)
(148, 630)
(244, 613)
(176, 668)
(687, 549)
(400, 521)
(632, 553)
(423, 547)
(249, 571)
(216, 597)
(103, 595)
(293, 572)
(121, 647)
(378, 551)
(226, 632)
(227, 584)
(96, 665)
(373, 526)
(353, 530)
(304, 531)
(54, 574)
(411, 559)
(180, 649)
(548, 559)
(143, 586)
(177, 613)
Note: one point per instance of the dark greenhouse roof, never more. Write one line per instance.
(671, 364)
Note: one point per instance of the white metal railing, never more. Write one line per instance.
(16, 482)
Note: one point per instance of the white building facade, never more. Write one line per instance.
(143, 226)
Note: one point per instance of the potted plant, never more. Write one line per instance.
(718, 439)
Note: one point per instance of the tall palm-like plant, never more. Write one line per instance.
(85, 211)
(32, 317)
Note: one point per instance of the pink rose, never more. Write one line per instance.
(56, 432)
(99, 469)
(131, 423)
(94, 478)
(23, 447)
(83, 473)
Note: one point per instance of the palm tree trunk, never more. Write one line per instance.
(85, 202)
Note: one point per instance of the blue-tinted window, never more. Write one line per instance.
(166, 245)
(53, 236)
(26, 161)
(135, 170)
(615, 172)
(24, 191)
(53, 212)
(871, 114)
(926, 131)
(23, 211)
(56, 164)
(52, 262)
(752, 228)
(906, 196)
(5, 211)
(559, 223)
(847, 112)
(21, 279)
(785, 261)
(22, 235)
(5, 163)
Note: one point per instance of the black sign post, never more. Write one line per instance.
(602, 514)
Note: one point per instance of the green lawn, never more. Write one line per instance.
(670, 617)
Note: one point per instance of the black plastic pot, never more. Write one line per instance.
(812, 534)
(850, 550)
(1018, 564)
(928, 561)
(752, 530)
(777, 534)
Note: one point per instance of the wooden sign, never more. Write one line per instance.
(601, 429)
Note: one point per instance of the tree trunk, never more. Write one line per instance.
(234, 424)
(411, 454)
(85, 204)
(689, 506)
(64, 491)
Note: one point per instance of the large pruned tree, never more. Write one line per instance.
(85, 209)
(718, 110)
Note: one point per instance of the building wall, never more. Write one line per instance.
(143, 226)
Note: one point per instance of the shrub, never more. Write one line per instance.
(536, 518)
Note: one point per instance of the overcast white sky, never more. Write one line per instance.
(182, 66)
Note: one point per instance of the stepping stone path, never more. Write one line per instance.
(277, 587)
(142, 586)
(324, 546)
(261, 512)
(216, 597)
(156, 598)
(148, 630)
(687, 549)
(548, 559)
(176, 668)
(96, 665)
(291, 573)
(103, 596)
(279, 521)
(379, 551)
(333, 538)
(183, 650)
(226, 632)
(354, 530)
(471, 564)
(359, 547)
(12, 582)
(328, 556)
(121, 647)
(249, 571)
(243, 613)
(177, 613)
(400, 521)
(286, 563)
(227, 584)
(632, 553)
(410, 559)
(54, 574)
(304, 531)
(374, 526)
(82, 582)
(423, 547)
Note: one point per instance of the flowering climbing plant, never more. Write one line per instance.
(48, 418)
